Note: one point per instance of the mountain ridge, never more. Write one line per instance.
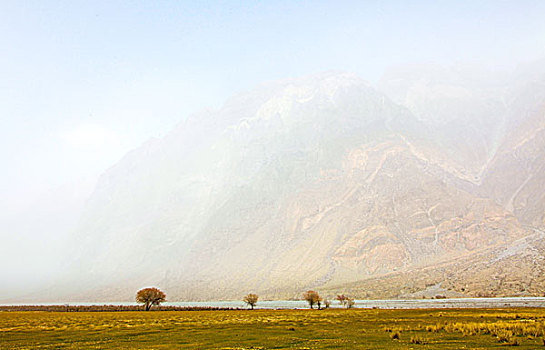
(304, 183)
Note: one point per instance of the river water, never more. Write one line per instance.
(367, 304)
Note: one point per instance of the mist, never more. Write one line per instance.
(187, 124)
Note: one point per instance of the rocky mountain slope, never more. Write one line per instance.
(322, 182)
(515, 269)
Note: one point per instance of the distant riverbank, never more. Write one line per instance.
(287, 304)
(103, 308)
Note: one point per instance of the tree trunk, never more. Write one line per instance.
(148, 306)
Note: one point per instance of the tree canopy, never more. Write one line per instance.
(312, 298)
(150, 297)
(251, 299)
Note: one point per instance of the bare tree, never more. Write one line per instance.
(319, 302)
(349, 303)
(312, 298)
(251, 299)
(342, 299)
(150, 297)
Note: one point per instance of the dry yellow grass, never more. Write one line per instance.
(275, 329)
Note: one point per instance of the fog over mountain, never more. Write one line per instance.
(431, 182)
(218, 148)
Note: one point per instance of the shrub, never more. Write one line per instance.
(504, 336)
(416, 340)
(513, 342)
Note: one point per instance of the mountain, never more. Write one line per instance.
(515, 177)
(324, 182)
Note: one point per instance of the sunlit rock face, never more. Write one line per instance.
(312, 183)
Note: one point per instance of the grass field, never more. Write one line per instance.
(275, 329)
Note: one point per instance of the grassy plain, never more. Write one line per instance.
(275, 329)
